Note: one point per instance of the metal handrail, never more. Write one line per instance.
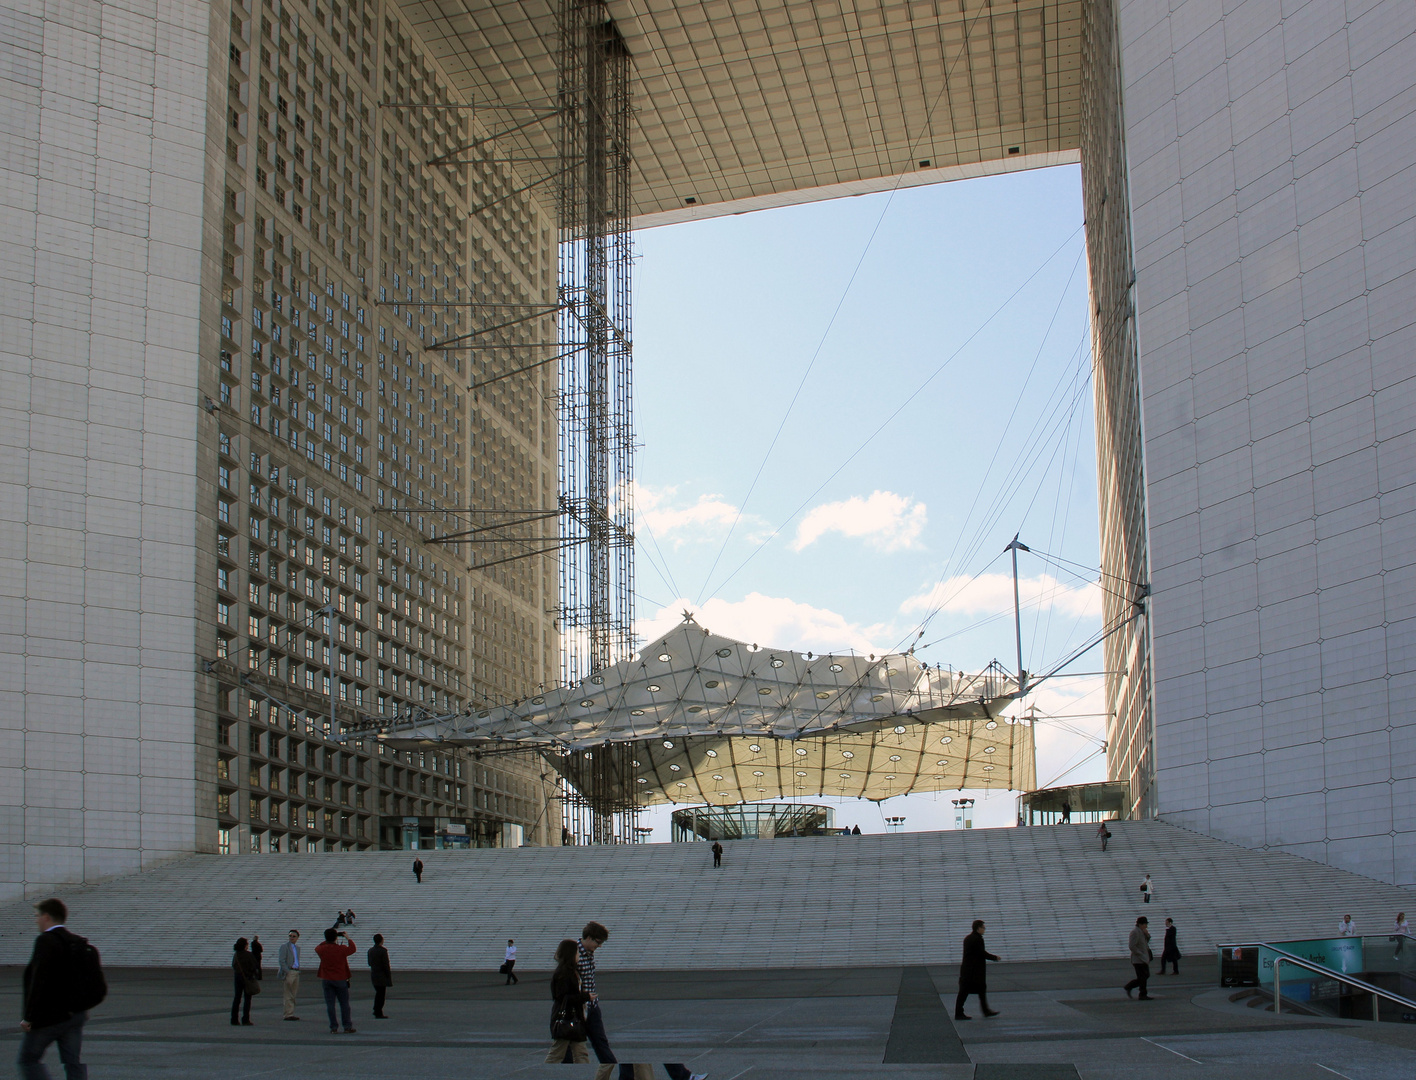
(1283, 956)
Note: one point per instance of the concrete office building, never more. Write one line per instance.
(213, 404)
(1249, 176)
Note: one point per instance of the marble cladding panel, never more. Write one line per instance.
(102, 158)
(1272, 157)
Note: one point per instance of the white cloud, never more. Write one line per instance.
(774, 621)
(886, 521)
(678, 524)
(989, 593)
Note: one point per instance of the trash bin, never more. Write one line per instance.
(1239, 966)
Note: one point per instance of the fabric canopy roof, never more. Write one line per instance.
(698, 717)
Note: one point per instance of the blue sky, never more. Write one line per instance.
(847, 409)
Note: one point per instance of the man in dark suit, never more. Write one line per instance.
(418, 870)
(47, 1015)
(380, 975)
(973, 973)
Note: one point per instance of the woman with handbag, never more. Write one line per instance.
(243, 966)
(568, 1013)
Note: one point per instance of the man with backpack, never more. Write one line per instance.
(63, 981)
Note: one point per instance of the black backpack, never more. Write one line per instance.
(87, 986)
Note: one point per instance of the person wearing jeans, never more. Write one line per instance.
(46, 1016)
(334, 976)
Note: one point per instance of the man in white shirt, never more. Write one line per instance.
(510, 962)
(288, 960)
(1147, 889)
(1347, 928)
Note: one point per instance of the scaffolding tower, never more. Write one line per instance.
(596, 432)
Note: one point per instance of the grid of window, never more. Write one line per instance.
(345, 445)
(1120, 467)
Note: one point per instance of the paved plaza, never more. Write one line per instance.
(1059, 1020)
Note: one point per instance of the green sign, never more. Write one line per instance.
(1342, 955)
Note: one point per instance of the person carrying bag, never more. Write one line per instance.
(568, 1013)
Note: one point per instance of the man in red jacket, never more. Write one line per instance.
(334, 975)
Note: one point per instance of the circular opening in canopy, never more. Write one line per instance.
(665, 657)
(837, 668)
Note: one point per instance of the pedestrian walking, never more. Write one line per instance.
(287, 969)
(1139, 944)
(1347, 928)
(1400, 931)
(1170, 951)
(380, 975)
(973, 972)
(717, 853)
(257, 952)
(568, 1010)
(1066, 813)
(1104, 834)
(243, 965)
(509, 963)
(333, 974)
(1147, 889)
(418, 870)
(62, 982)
(592, 938)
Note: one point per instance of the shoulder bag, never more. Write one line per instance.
(567, 1021)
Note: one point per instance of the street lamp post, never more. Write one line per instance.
(895, 823)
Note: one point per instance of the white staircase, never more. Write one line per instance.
(1047, 893)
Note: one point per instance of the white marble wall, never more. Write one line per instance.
(1272, 159)
(102, 148)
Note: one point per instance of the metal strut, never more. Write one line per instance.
(596, 430)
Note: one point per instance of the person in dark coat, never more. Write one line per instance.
(1170, 951)
(47, 1017)
(380, 975)
(418, 870)
(257, 951)
(243, 966)
(717, 850)
(570, 999)
(973, 973)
